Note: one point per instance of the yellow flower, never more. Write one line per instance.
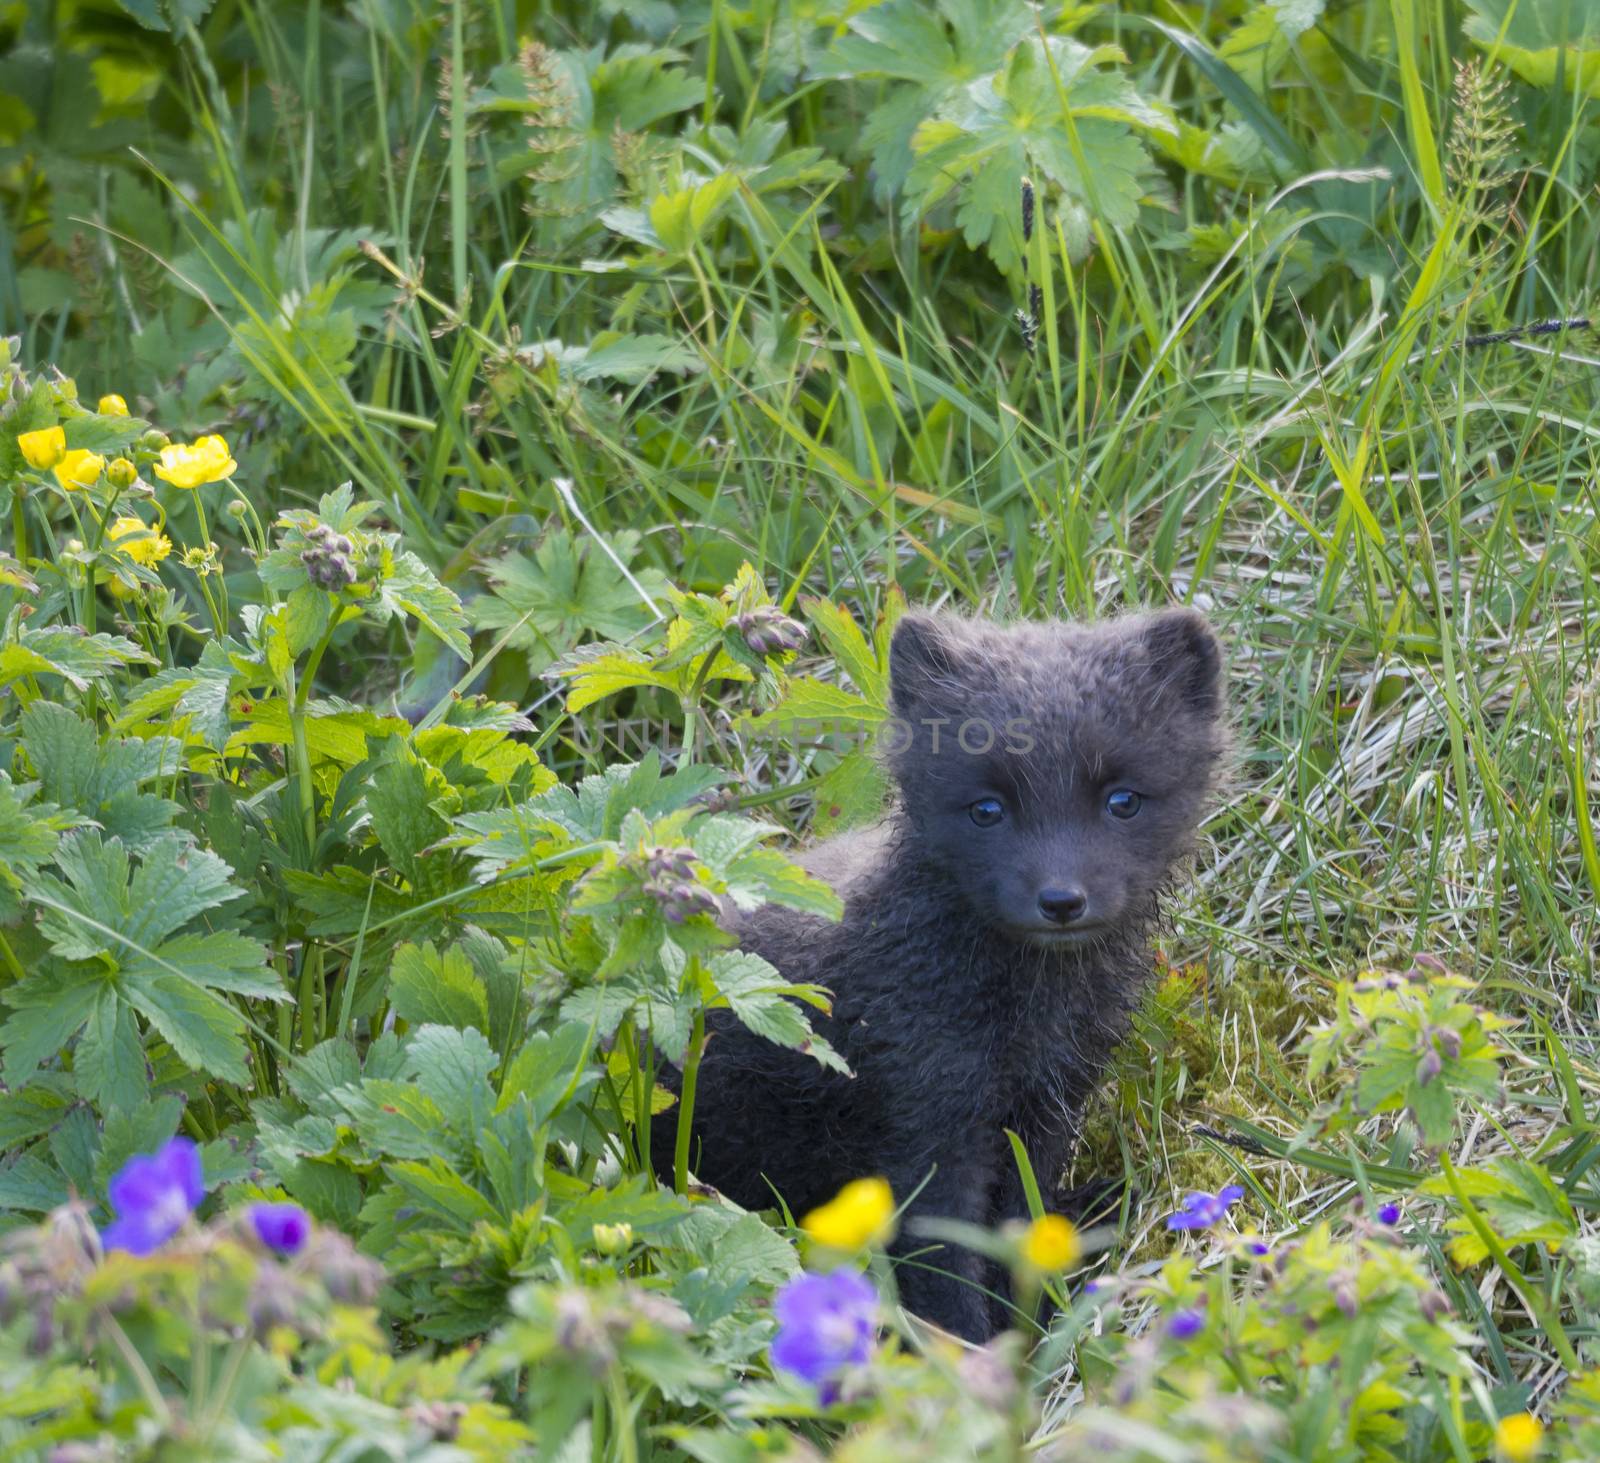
(79, 468)
(143, 545)
(43, 449)
(112, 405)
(1051, 1243)
(193, 464)
(861, 1213)
(1519, 1437)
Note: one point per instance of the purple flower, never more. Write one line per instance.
(153, 1196)
(825, 1323)
(1201, 1211)
(280, 1227)
(1258, 1247)
(1389, 1214)
(1186, 1323)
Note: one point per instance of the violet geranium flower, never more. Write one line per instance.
(282, 1228)
(825, 1324)
(153, 1195)
(1186, 1323)
(1201, 1210)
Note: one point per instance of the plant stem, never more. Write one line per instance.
(19, 524)
(691, 705)
(311, 955)
(691, 1078)
(9, 956)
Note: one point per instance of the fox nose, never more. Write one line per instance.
(1063, 906)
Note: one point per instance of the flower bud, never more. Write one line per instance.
(768, 631)
(112, 405)
(122, 473)
(1429, 1067)
(154, 440)
(612, 1239)
(328, 569)
(237, 510)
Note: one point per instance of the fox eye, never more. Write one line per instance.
(986, 812)
(1123, 803)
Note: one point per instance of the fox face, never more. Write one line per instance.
(1056, 772)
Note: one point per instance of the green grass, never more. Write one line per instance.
(1257, 401)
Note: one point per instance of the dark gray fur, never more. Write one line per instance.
(960, 1011)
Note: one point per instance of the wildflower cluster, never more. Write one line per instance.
(1414, 1043)
(1345, 1310)
(327, 558)
(767, 631)
(104, 471)
(670, 879)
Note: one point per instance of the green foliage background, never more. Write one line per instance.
(594, 304)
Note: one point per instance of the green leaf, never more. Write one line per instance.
(394, 1119)
(568, 590)
(119, 929)
(849, 794)
(452, 1067)
(69, 653)
(433, 1186)
(196, 696)
(47, 1008)
(425, 986)
(1544, 39)
(938, 51)
(1015, 124)
(109, 1062)
(204, 1030)
(738, 1247)
(29, 832)
(26, 1114)
(866, 665)
(764, 1002)
(399, 799)
(99, 779)
(412, 589)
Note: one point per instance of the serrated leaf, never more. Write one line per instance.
(425, 986)
(849, 794)
(101, 780)
(76, 657)
(109, 1061)
(452, 1067)
(203, 1029)
(567, 590)
(412, 589)
(1011, 125)
(398, 799)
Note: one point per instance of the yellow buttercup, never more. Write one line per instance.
(132, 538)
(194, 464)
(79, 469)
(1051, 1243)
(112, 405)
(43, 449)
(861, 1213)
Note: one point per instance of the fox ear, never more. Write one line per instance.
(922, 660)
(1183, 658)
